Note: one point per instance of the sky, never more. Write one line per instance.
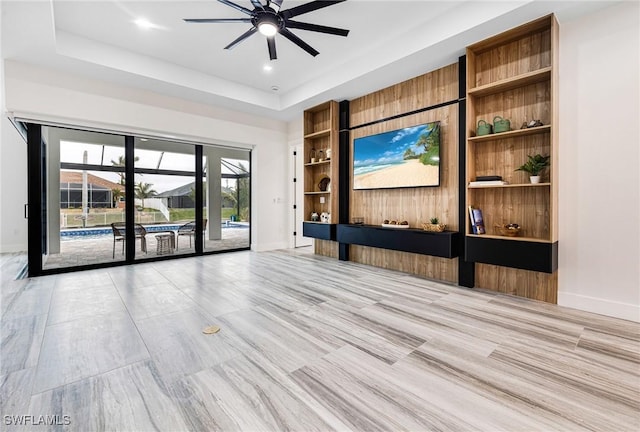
(388, 147)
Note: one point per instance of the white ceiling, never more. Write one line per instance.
(389, 41)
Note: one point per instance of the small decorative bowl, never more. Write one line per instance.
(509, 230)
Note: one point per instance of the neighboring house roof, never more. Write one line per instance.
(76, 177)
(179, 191)
(185, 191)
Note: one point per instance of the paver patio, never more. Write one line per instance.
(85, 251)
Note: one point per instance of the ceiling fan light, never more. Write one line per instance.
(267, 29)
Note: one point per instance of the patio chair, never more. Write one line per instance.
(119, 229)
(188, 229)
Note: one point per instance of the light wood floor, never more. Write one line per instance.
(306, 344)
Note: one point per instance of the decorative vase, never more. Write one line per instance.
(534, 179)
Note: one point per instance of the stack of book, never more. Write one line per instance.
(477, 221)
(491, 180)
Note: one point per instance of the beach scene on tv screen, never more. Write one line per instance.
(408, 157)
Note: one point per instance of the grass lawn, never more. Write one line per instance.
(189, 214)
(227, 212)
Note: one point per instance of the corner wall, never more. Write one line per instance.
(48, 95)
(599, 233)
(13, 179)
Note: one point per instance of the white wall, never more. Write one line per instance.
(13, 180)
(599, 235)
(55, 96)
(296, 190)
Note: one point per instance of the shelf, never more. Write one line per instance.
(511, 134)
(319, 134)
(317, 193)
(526, 254)
(444, 244)
(510, 186)
(318, 163)
(534, 77)
(319, 230)
(499, 237)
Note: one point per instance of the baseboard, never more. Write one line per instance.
(600, 306)
(263, 247)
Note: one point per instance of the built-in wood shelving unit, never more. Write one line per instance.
(514, 75)
(320, 138)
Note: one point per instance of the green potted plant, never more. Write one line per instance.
(434, 225)
(534, 166)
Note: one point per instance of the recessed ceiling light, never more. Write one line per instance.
(143, 139)
(267, 68)
(275, 88)
(144, 23)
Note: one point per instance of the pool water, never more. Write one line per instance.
(103, 233)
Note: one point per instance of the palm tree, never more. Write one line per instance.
(120, 163)
(116, 194)
(143, 190)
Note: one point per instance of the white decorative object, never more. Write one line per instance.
(395, 226)
(534, 179)
(325, 217)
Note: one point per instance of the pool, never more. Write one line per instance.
(102, 232)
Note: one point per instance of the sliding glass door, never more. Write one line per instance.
(165, 198)
(83, 191)
(101, 199)
(226, 196)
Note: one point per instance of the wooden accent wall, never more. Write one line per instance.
(326, 248)
(415, 205)
(523, 283)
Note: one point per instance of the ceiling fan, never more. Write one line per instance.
(269, 20)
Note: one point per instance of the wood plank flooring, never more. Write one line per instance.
(307, 343)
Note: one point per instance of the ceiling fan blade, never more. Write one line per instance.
(296, 40)
(218, 20)
(271, 44)
(237, 7)
(308, 7)
(256, 4)
(317, 28)
(275, 5)
(242, 37)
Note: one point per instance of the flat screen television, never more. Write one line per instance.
(407, 157)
